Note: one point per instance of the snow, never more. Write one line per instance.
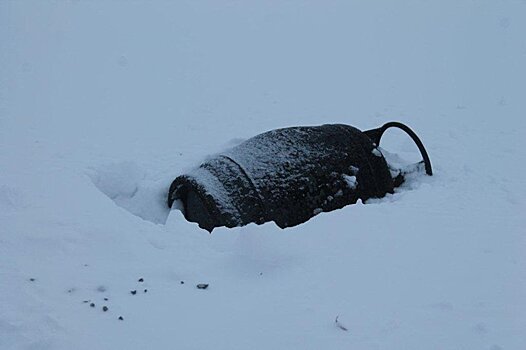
(351, 181)
(216, 189)
(103, 104)
(376, 152)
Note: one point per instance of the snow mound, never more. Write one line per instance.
(130, 187)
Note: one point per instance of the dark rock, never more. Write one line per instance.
(32, 279)
(141, 280)
(121, 318)
(133, 292)
(202, 286)
(92, 304)
(104, 308)
(182, 282)
(105, 299)
(146, 291)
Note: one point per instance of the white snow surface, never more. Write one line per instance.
(104, 103)
(351, 181)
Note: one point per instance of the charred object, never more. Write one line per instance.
(289, 175)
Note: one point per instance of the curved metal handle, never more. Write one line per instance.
(376, 134)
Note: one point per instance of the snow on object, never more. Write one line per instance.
(354, 170)
(376, 152)
(288, 176)
(351, 181)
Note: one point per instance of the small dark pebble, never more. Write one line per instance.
(202, 286)
(92, 304)
(182, 282)
(121, 318)
(146, 291)
(106, 299)
(133, 292)
(85, 301)
(32, 279)
(104, 308)
(141, 279)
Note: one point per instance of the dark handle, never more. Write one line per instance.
(376, 134)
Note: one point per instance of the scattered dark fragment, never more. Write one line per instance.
(85, 265)
(104, 308)
(133, 292)
(92, 304)
(121, 318)
(146, 291)
(202, 286)
(85, 301)
(141, 280)
(32, 279)
(105, 299)
(339, 325)
(261, 273)
(101, 289)
(182, 282)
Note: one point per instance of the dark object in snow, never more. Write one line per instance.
(133, 292)
(104, 308)
(182, 282)
(141, 280)
(288, 176)
(146, 291)
(121, 318)
(92, 304)
(32, 279)
(339, 324)
(202, 286)
(106, 299)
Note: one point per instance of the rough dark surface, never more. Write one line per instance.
(286, 176)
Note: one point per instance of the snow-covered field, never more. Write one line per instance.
(102, 104)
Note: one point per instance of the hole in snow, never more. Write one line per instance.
(131, 188)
